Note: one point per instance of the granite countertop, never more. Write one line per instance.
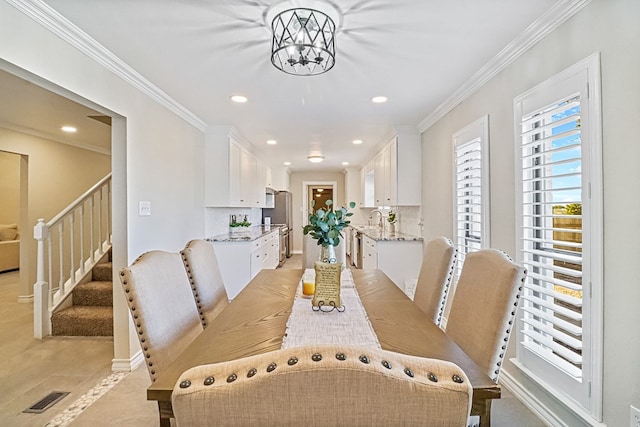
(252, 233)
(376, 234)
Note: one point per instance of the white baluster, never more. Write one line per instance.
(41, 319)
(81, 229)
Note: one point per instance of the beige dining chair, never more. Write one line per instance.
(326, 385)
(434, 280)
(484, 307)
(161, 303)
(207, 285)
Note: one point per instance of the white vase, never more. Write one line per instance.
(328, 254)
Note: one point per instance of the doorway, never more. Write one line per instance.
(318, 196)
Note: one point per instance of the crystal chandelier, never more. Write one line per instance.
(303, 42)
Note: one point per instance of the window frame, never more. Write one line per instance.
(477, 130)
(587, 400)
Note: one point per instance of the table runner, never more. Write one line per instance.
(308, 327)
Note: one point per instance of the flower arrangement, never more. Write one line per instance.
(326, 224)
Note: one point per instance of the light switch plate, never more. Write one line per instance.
(144, 208)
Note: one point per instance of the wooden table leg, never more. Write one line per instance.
(483, 409)
(166, 413)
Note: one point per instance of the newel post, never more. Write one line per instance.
(41, 320)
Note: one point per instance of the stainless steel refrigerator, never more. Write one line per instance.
(280, 214)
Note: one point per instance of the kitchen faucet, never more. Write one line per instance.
(380, 222)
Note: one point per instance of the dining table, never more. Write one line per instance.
(255, 322)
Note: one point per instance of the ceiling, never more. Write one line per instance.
(415, 52)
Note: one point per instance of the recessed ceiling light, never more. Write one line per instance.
(357, 141)
(287, 163)
(239, 99)
(345, 163)
(319, 190)
(315, 158)
(272, 142)
(379, 99)
(69, 129)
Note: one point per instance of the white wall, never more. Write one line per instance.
(157, 157)
(57, 175)
(9, 187)
(611, 27)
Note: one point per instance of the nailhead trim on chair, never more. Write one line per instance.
(138, 325)
(194, 289)
(317, 357)
(443, 297)
(513, 314)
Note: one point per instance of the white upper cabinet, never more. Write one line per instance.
(280, 178)
(396, 172)
(233, 176)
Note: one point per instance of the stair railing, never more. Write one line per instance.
(69, 246)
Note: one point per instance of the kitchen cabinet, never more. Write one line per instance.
(233, 176)
(395, 177)
(369, 253)
(367, 183)
(399, 259)
(278, 178)
(240, 261)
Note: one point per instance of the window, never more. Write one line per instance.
(559, 193)
(471, 180)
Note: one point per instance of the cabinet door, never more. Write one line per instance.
(369, 255)
(379, 179)
(235, 175)
(248, 170)
(391, 172)
(257, 257)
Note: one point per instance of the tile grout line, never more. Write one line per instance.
(83, 402)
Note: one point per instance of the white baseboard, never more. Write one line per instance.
(25, 299)
(530, 401)
(127, 365)
(296, 252)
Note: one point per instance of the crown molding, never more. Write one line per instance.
(552, 19)
(53, 21)
(54, 138)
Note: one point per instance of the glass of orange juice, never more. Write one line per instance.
(308, 284)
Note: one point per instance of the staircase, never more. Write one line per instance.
(91, 309)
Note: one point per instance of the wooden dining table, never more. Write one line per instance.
(255, 322)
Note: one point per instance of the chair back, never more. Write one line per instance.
(161, 303)
(484, 307)
(311, 252)
(207, 285)
(438, 266)
(324, 385)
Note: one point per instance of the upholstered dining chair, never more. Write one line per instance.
(324, 385)
(434, 280)
(161, 303)
(204, 274)
(484, 307)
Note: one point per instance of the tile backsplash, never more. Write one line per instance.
(217, 219)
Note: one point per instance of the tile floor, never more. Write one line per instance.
(82, 366)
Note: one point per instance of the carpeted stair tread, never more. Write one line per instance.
(103, 272)
(98, 293)
(80, 320)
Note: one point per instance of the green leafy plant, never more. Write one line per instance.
(326, 224)
(392, 217)
(243, 223)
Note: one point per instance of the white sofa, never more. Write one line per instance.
(9, 247)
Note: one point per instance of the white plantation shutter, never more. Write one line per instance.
(471, 189)
(558, 336)
(551, 238)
